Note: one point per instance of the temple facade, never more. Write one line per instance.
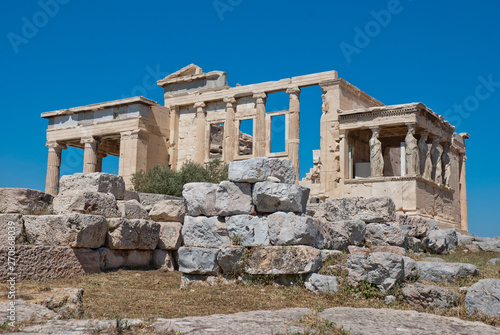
(405, 151)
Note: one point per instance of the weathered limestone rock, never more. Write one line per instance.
(282, 169)
(231, 259)
(483, 298)
(131, 195)
(355, 230)
(24, 201)
(26, 311)
(325, 254)
(250, 170)
(132, 209)
(380, 234)
(132, 234)
(430, 296)
(414, 244)
(94, 182)
(204, 232)
(493, 262)
(148, 200)
(292, 229)
(491, 244)
(410, 268)
(43, 262)
(371, 209)
(441, 241)
(271, 197)
(202, 261)
(331, 235)
(200, 198)
(168, 210)
(386, 248)
(437, 272)
(248, 230)
(320, 283)
(433, 259)
(67, 302)
(15, 230)
(464, 239)
(418, 226)
(113, 259)
(383, 269)
(163, 259)
(233, 198)
(170, 235)
(86, 202)
(281, 260)
(74, 230)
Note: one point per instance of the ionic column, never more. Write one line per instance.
(200, 151)
(294, 128)
(100, 157)
(412, 152)
(260, 125)
(376, 155)
(53, 167)
(90, 155)
(230, 135)
(463, 195)
(174, 136)
(133, 154)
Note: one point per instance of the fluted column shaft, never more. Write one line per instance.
(260, 125)
(200, 151)
(230, 137)
(53, 167)
(294, 128)
(90, 155)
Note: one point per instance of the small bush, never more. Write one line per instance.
(163, 180)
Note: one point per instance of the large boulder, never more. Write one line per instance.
(269, 197)
(67, 301)
(170, 235)
(132, 209)
(382, 269)
(168, 210)
(488, 244)
(417, 226)
(438, 272)
(132, 234)
(430, 296)
(292, 229)
(282, 169)
(248, 230)
(200, 198)
(24, 201)
(202, 261)
(331, 235)
(321, 283)
(233, 198)
(34, 262)
(11, 225)
(371, 209)
(483, 298)
(355, 230)
(441, 241)
(282, 260)
(148, 200)
(73, 230)
(163, 259)
(380, 234)
(260, 169)
(232, 259)
(204, 232)
(94, 182)
(113, 259)
(86, 202)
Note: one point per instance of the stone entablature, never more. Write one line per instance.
(404, 151)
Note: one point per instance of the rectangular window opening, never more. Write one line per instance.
(216, 146)
(278, 133)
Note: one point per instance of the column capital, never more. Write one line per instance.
(199, 104)
(293, 90)
(134, 134)
(412, 125)
(89, 139)
(55, 145)
(260, 96)
(173, 108)
(229, 100)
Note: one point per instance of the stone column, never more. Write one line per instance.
(294, 128)
(133, 154)
(376, 155)
(100, 157)
(231, 140)
(446, 165)
(412, 151)
(53, 167)
(90, 155)
(425, 156)
(201, 149)
(260, 125)
(174, 136)
(437, 163)
(463, 195)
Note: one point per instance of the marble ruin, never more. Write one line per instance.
(406, 151)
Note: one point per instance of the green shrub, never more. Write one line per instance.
(163, 180)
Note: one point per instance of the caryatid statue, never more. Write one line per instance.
(437, 163)
(425, 156)
(412, 152)
(447, 165)
(376, 156)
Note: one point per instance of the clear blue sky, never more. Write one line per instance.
(443, 54)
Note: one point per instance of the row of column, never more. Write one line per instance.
(231, 133)
(432, 163)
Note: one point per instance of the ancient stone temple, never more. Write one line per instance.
(407, 151)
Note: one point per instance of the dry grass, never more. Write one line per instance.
(156, 294)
